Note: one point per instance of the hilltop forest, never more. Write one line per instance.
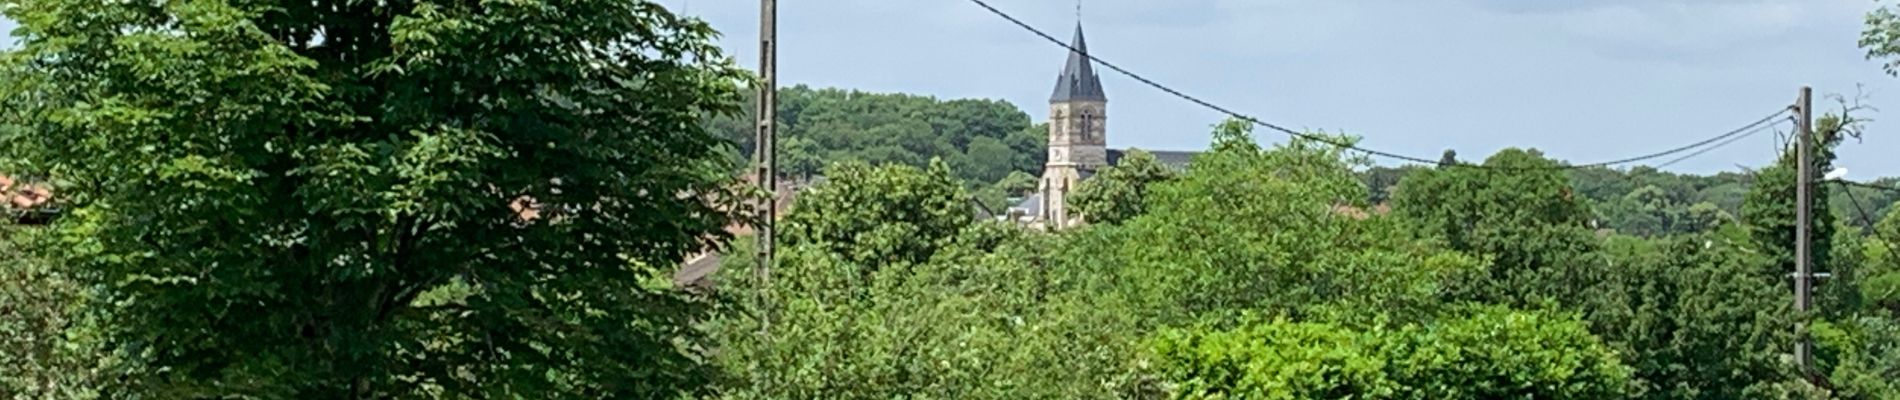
(992, 147)
(452, 200)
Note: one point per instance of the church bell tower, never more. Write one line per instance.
(1078, 127)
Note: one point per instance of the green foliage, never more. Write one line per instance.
(1880, 289)
(1120, 192)
(1527, 222)
(1881, 37)
(1496, 354)
(1649, 211)
(1256, 229)
(875, 216)
(1865, 356)
(42, 327)
(891, 290)
(1850, 202)
(1017, 184)
(1001, 195)
(988, 311)
(1380, 181)
(987, 160)
(261, 191)
(981, 140)
(1274, 360)
(1694, 315)
(800, 158)
(1670, 203)
(1769, 214)
(1491, 354)
(969, 326)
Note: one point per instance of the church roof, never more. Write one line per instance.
(1031, 205)
(1174, 159)
(1078, 80)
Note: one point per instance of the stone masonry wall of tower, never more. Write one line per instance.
(1078, 133)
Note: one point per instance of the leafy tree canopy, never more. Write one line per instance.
(1491, 354)
(1120, 192)
(982, 141)
(284, 200)
(1527, 221)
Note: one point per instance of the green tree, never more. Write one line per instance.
(1881, 287)
(1274, 360)
(1850, 202)
(873, 216)
(1120, 192)
(1881, 36)
(1769, 209)
(1262, 230)
(1382, 180)
(1517, 212)
(1694, 315)
(1018, 184)
(1492, 354)
(312, 200)
(44, 351)
(989, 160)
(1032, 148)
(983, 140)
(1651, 211)
(1496, 353)
(999, 197)
(967, 310)
(1865, 356)
(801, 159)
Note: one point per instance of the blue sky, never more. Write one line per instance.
(1584, 80)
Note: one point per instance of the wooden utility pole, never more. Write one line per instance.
(1804, 198)
(766, 148)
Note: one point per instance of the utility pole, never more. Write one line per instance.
(1804, 198)
(767, 147)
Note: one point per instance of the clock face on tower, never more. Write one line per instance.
(1055, 156)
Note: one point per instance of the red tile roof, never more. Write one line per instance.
(24, 196)
(696, 272)
(27, 199)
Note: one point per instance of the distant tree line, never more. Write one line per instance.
(1645, 201)
(990, 145)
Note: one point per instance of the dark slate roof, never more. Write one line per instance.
(1031, 205)
(1176, 159)
(1078, 80)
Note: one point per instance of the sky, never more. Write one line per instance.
(1582, 80)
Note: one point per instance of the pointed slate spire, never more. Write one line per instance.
(1078, 80)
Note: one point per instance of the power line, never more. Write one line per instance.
(1869, 220)
(1256, 121)
(1724, 143)
(1870, 186)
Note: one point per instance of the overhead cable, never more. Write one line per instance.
(1869, 220)
(1335, 142)
(1724, 143)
